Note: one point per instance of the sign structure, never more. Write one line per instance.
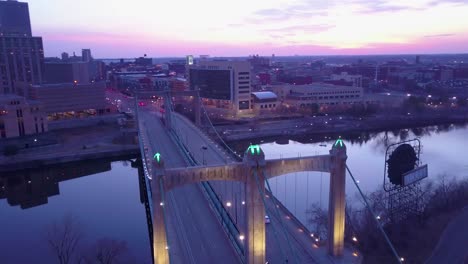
(402, 177)
(415, 175)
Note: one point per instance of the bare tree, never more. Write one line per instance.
(319, 217)
(63, 238)
(108, 251)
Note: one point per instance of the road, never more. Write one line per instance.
(288, 232)
(453, 244)
(194, 233)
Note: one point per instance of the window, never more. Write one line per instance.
(244, 73)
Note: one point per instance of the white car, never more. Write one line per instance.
(267, 219)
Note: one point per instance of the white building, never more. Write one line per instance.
(264, 101)
(322, 94)
(223, 84)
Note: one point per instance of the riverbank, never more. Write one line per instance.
(332, 126)
(75, 144)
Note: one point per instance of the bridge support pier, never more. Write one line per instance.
(160, 246)
(255, 238)
(336, 206)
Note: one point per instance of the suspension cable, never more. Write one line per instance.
(281, 220)
(379, 225)
(212, 126)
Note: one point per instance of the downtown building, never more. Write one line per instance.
(21, 54)
(223, 84)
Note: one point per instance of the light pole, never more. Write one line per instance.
(203, 148)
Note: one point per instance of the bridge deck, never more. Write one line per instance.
(194, 233)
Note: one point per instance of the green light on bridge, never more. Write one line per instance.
(254, 149)
(339, 143)
(157, 157)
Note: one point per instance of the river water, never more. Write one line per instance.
(442, 148)
(103, 197)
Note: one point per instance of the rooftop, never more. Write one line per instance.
(265, 95)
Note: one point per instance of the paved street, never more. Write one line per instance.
(194, 233)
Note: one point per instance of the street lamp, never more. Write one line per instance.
(204, 148)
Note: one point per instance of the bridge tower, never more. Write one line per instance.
(160, 245)
(336, 204)
(253, 172)
(254, 160)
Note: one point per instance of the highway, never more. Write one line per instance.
(194, 233)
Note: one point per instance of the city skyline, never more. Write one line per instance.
(282, 27)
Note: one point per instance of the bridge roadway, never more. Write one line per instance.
(194, 233)
(301, 242)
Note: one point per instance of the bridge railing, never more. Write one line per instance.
(226, 221)
(147, 188)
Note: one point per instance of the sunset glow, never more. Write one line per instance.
(179, 27)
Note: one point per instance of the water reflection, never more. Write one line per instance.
(104, 194)
(381, 139)
(32, 187)
(441, 150)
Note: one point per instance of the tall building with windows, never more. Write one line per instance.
(223, 84)
(14, 19)
(21, 54)
(86, 55)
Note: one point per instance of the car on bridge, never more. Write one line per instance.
(267, 219)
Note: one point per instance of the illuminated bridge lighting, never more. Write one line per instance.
(157, 157)
(254, 149)
(339, 143)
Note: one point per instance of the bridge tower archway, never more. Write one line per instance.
(254, 163)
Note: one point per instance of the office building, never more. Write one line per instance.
(223, 84)
(86, 55)
(21, 117)
(14, 19)
(21, 55)
(68, 100)
(21, 60)
(67, 72)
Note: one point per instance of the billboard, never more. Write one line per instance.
(415, 175)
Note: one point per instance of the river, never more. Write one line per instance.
(442, 149)
(103, 197)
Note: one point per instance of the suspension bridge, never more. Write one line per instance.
(191, 223)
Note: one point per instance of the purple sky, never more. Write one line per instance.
(238, 28)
